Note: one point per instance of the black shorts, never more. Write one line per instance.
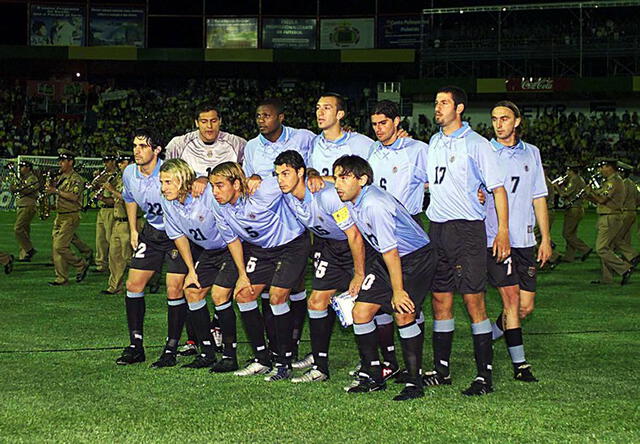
(418, 269)
(462, 259)
(154, 249)
(209, 267)
(280, 266)
(518, 269)
(333, 264)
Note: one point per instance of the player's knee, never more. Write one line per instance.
(194, 295)
(245, 296)
(220, 296)
(403, 319)
(134, 286)
(317, 301)
(174, 291)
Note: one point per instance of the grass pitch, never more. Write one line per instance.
(59, 383)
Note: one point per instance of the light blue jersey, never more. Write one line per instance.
(385, 223)
(401, 169)
(146, 192)
(196, 220)
(524, 182)
(324, 152)
(323, 212)
(457, 165)
(263, 219)
(260, 153)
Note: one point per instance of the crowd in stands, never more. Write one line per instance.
(113, 114)
(521, 28)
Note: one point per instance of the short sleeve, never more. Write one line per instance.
(486, 160)
(227, 234)
(383, 227)
(338, 209)
(539, 184)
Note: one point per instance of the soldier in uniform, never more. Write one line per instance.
(573, 214)
(610, 200)
(6, 260)
(119, 242)
(622, 245)
(104, 221)
(68, 191)
(27, 192)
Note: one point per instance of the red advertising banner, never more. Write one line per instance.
(538, 84)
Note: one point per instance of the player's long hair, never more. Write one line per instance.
(182, 172)
(231, 171)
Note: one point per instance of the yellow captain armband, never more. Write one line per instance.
(341, 215)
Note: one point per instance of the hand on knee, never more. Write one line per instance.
(525, 311)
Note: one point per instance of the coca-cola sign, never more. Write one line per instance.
(537, 84)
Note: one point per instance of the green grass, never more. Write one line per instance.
(59, 382)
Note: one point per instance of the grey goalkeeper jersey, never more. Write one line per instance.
(203, 157)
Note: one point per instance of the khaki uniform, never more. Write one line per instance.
(27, 192)
(572, 217)
(120, 250)
(104, 226)
(5, 258)
(65, 225)
(609, 226)
(551, 197)
(623, 243)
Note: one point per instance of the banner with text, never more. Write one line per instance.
(57, 26)
(537, 84)
(399, 32)
(116, 27)
(232, 33)
(346, 33)
(289, 33)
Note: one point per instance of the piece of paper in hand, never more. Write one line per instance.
(342, 304)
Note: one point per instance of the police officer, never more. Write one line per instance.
(610, 199)
(119, 242)
(68, 189)
(6, 260)
(622, 245)
(574, 212)
(104, 221)
(27, 193)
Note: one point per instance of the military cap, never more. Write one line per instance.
(125, 155)
(573, 164)
(607, 161)
(109, 155)
(25, 163)
(66, 154)
(624, 166)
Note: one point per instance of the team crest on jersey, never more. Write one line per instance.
(174, 254)
(526, 167)
(209, 154)
(531, 271)
(252, 216)
(320, 219)
(395, 170)
(529, 228)
(201, 218)
(452, 158)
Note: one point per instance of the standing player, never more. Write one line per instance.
(399, 164)
(333, 142)
(631, 197)
(459, 161)
(276, 248)
(515, 277)
(338, 253)
(397, 277)
(190, 223)
(27, 194)
(68, 190)
(152, 247)
(260, 153)
(206, 147)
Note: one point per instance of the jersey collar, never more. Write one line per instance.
(361, 196)
(286, 133)
(155, 173)
(339, 141)
(459, 133)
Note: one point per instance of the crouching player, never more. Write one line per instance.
(190, 223)
(396, 279)
(276, 248)
(337, 249)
